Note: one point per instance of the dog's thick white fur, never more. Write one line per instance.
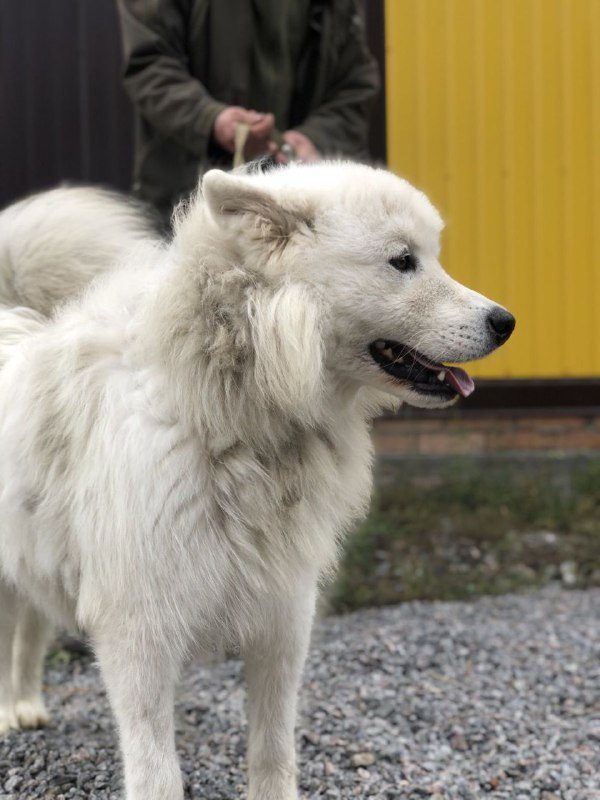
(184, 445)
(52, 244)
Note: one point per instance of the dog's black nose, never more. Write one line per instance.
(501, 324)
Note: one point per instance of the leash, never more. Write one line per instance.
(242, 131)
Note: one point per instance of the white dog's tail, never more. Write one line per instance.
(53, 244)
(15, 325)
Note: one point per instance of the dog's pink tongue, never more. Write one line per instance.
(459, 380)
(455, 377)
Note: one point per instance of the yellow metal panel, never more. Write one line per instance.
(594, 30)
(494, 110)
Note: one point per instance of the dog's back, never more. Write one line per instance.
(54, 243)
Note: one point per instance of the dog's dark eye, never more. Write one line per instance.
(404, 263)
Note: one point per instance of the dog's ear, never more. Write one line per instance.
(232, 200)
(288, 346)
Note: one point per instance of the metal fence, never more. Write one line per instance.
(64, 113)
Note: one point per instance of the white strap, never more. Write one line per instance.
(242, 129)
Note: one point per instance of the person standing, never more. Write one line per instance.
(196, 68)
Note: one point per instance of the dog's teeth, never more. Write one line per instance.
(388, 353)
(441, 375)
(380, 344)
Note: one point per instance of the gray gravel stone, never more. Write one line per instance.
(499, 697)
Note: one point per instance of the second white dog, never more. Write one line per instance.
(184, 446)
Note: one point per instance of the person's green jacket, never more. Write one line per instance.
(185, 60)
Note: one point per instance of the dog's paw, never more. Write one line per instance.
(32, 713)
(8, 720)
(274, 793)
(273, 787)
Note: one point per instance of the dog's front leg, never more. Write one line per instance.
(8, 622)
(140, 673)
(31, 640)
(273, 670)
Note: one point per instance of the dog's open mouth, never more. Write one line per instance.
(424, 376)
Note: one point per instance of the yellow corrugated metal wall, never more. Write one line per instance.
(493, 109)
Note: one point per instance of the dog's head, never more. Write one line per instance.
(351, 254)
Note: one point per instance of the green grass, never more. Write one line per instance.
(468, 527)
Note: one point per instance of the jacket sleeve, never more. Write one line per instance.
(156, 74)
(339, 125)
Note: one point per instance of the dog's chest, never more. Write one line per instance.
(299, 495)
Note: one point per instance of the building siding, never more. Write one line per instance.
(493, 109)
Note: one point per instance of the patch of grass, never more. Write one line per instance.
(466, 528)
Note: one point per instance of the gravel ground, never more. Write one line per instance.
(499, 697)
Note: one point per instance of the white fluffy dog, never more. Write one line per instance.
(185, 444)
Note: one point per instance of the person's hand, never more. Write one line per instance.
(304, 149)
(261, 127)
